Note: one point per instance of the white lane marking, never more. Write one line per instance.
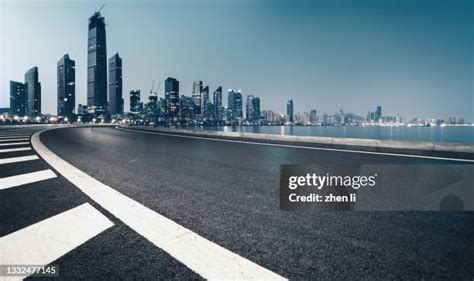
(7, 140)
(27, 178)
(305, 147)
(5, 150)
(206, 258)
(14, 136)
(46, 241)
(14, 143)
(18, 159)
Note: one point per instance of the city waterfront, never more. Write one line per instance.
(430, 134)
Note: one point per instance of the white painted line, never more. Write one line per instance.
(22, 179)
(15, 136)
(5, 150)
(18, 159)
(46, 241)
(303, 147)
(7, 140)
(14, 143)
(204, 257)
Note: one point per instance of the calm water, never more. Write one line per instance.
(446, 134)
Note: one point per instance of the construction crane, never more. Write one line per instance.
(157, 88)
(152, 87)
(101, 7)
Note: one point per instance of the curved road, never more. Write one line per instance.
(228, 193)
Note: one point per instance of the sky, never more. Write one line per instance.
(412, 57)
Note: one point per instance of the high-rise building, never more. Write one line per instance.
(378, 113)
(172, 97)
(289, 111)
(249, 108)
(66, 86)
(17, 98)
(187, 108)
(33, 92)
(256, 109)
(135, 102)
(97, 65)
(313, 116)
(204, 102)
(197, 95)
(217, 100)
(115, 85)
(234, 104)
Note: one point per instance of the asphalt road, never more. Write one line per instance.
(228, 193)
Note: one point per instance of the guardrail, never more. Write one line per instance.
(437, 149)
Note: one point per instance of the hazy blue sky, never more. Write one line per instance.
(412, 57)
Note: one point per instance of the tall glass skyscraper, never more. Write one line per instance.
(97, 65)
(289, 111)
(217, 99)
(234, 103)
(17, 98)
(115, 85)
(66, 86)
(171, 97)
(197, 95)
(33, 92)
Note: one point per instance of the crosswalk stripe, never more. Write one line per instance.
(14, 136)
(46, 241)
(7, 140)
(5, 150)
(201, 255)
(18, 159)
(27, 178)
(14, 143)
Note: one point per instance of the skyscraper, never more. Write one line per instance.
(197, 94)
(66, 86)
(115, 85)
(234, 103)
(289, 111)
(97, 65)
(256, 109)
(33, 92)
(17, 98)
(249, 108)
(378, 113)
(204, 102)
(172, 97)
(135, 102)
(217, 100)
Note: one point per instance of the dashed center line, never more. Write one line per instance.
(27, 178)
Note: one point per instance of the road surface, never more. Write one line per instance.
(228, 193)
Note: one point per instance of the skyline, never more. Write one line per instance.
(257, 79)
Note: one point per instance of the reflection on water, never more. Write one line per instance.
(430, 134)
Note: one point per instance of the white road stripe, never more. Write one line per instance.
(14, 143)
(46, 241)
(206, 258)
(14, 136)
(7, 140)
(22, 179)
(5, 150)
(18, 159)
(303, 147)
